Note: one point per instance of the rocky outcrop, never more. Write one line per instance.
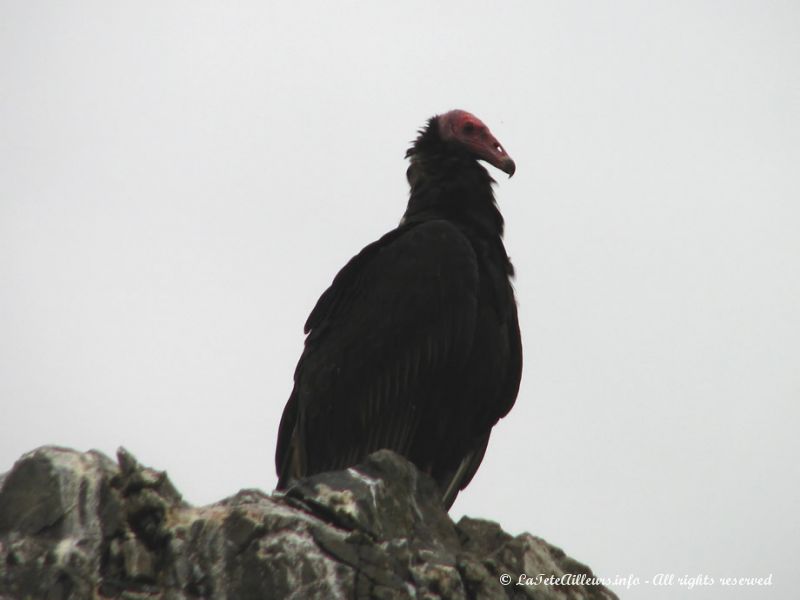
(78, 525)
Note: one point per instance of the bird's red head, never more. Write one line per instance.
(468, 131)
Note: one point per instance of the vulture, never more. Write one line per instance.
(415, 346)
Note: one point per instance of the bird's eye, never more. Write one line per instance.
(468, 128)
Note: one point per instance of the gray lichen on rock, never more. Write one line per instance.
(78, 525)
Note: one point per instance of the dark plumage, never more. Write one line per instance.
(415, 346)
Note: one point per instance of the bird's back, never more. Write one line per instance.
(414, 348)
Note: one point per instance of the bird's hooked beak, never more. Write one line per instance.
(506, 164)
(486, 147)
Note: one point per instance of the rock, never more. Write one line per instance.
(78, 525)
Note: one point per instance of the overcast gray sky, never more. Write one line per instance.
(179, 181)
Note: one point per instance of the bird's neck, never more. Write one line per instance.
(457, 190)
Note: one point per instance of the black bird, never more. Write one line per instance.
(415, 346)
